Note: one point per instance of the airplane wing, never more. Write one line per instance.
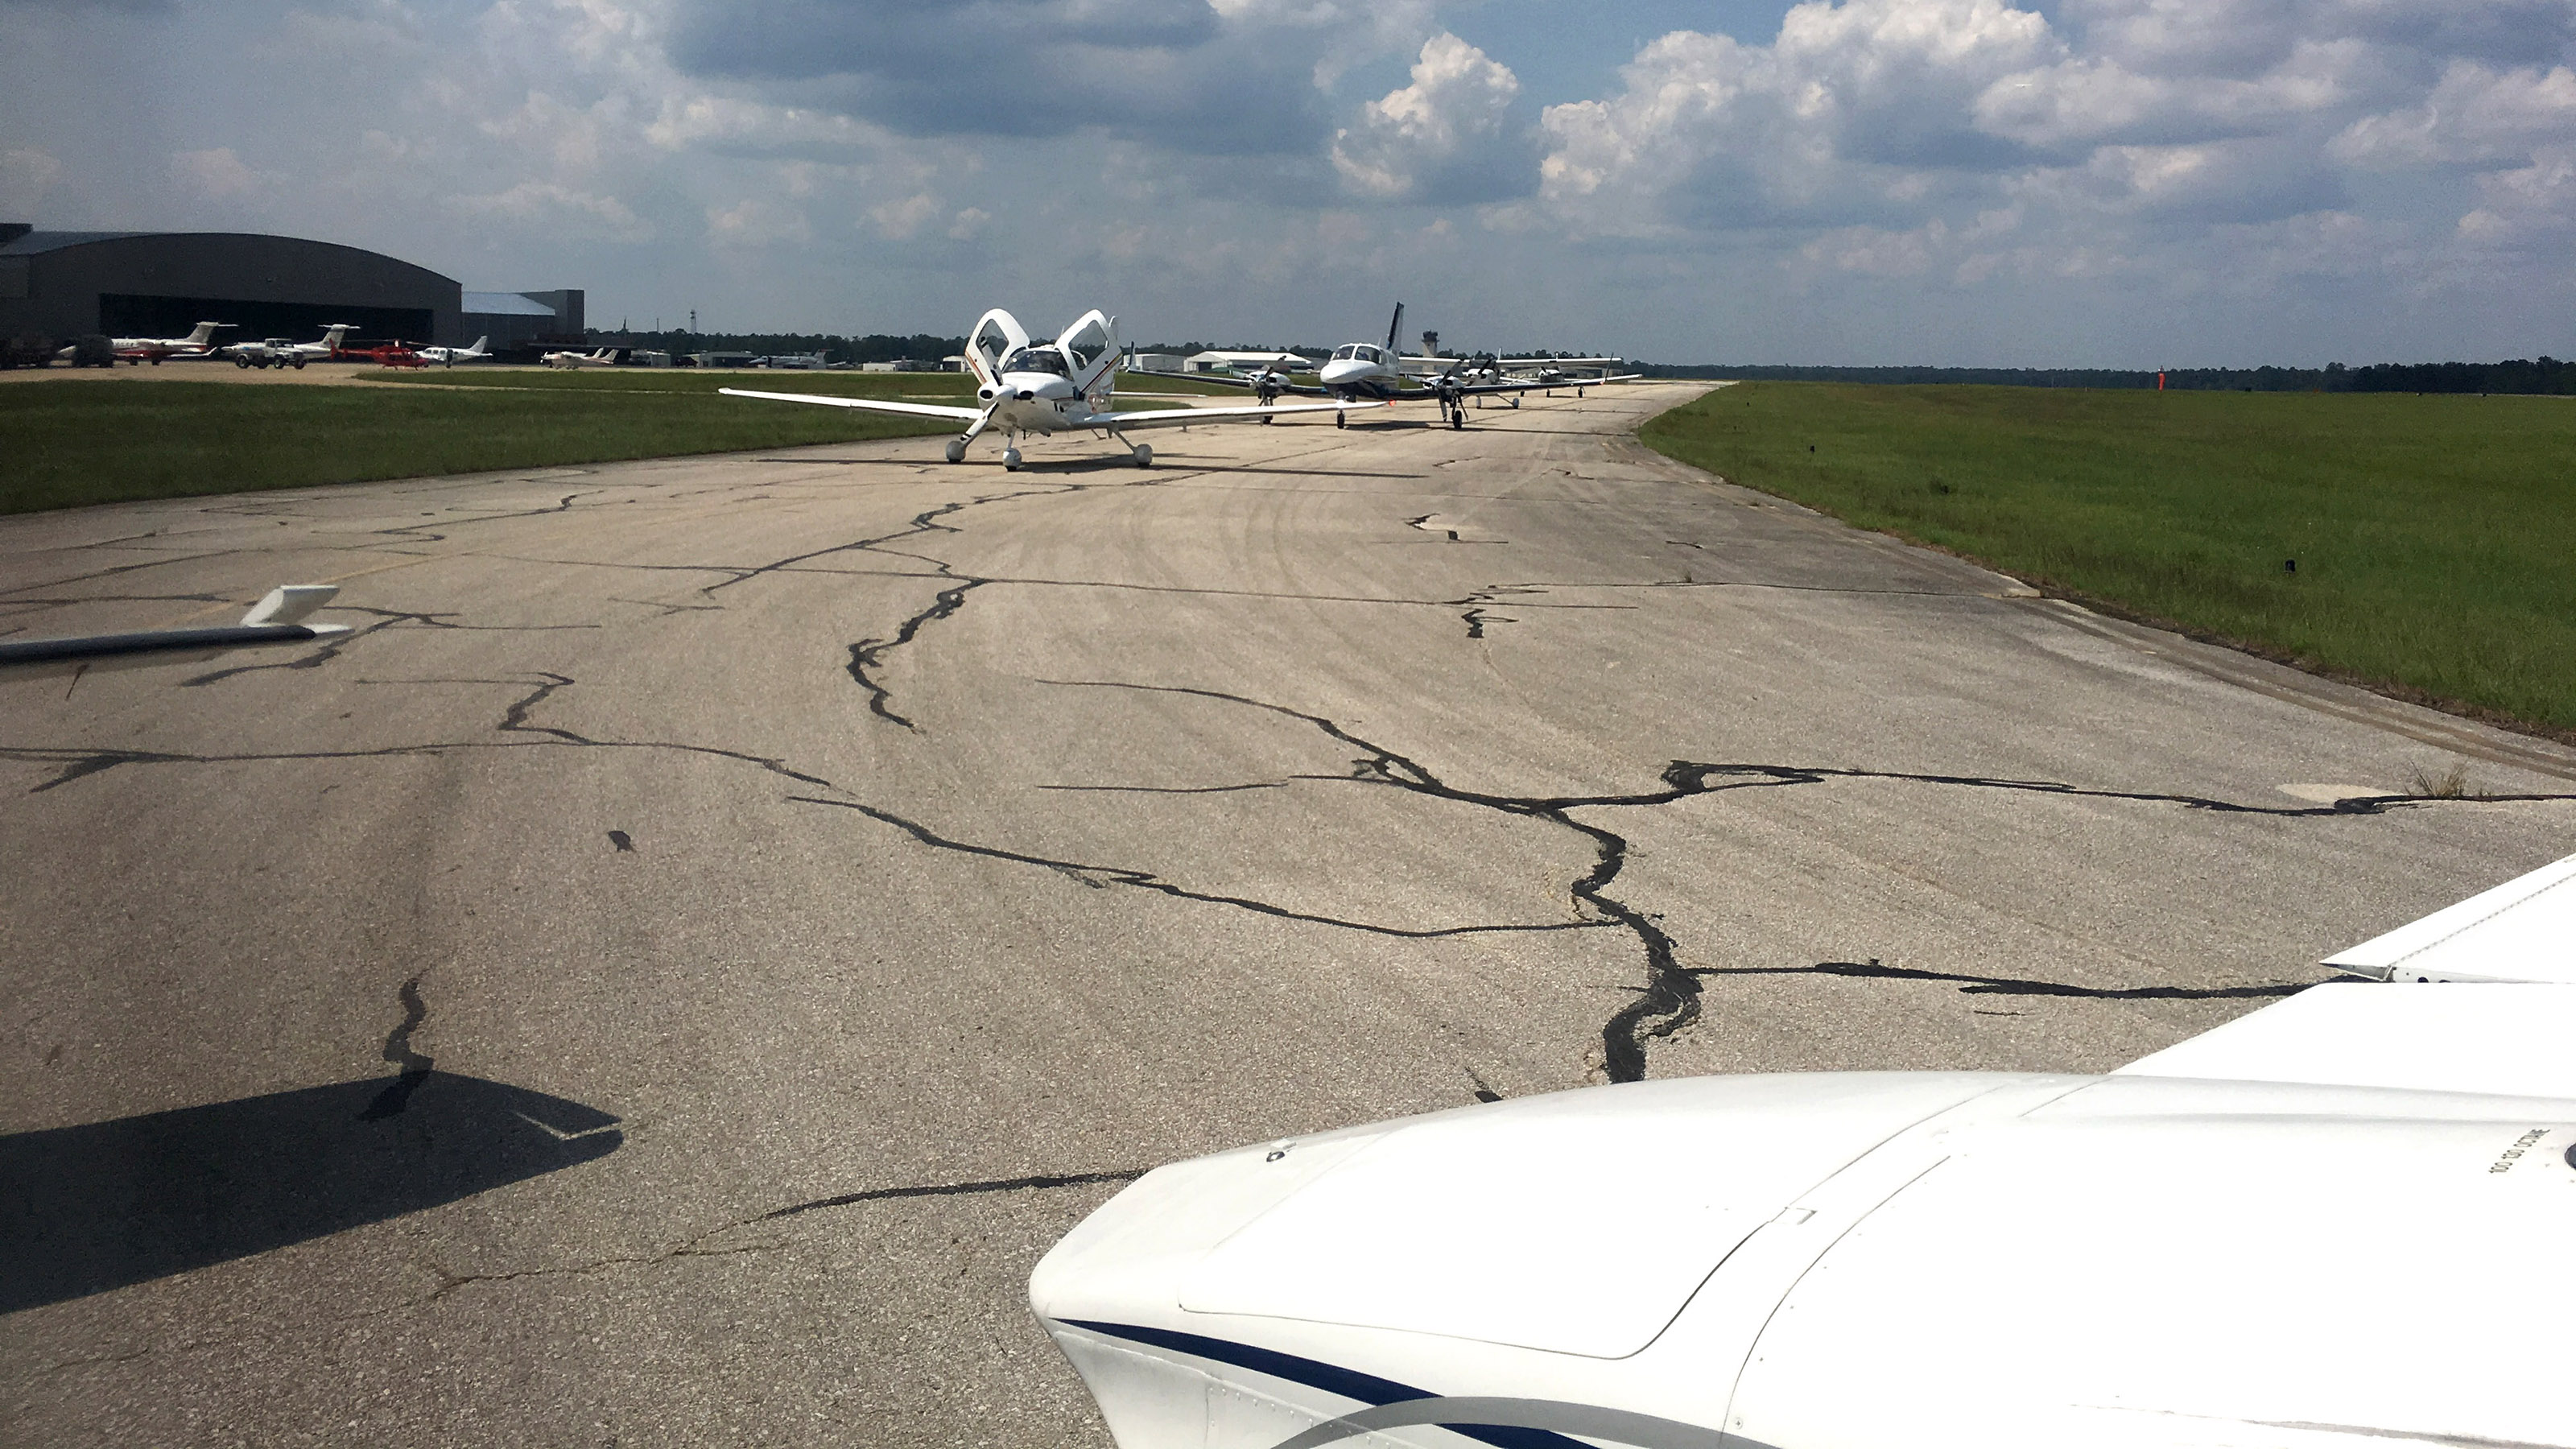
(2485, 1002)
(1302, 389)
(1185, 417)
(870, 404)
(278, 618)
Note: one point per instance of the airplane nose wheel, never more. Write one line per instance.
(1011, 459)
(1341, 420)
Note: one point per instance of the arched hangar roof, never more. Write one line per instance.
(246, 265)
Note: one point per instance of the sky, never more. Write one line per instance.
(2070, 183)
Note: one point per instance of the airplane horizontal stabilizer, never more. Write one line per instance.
(870, 404)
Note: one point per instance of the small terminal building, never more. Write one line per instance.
(67, 284)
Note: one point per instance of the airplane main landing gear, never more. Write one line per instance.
(1341, 420)
(956, 450)
(1144, 455)
(1011, 458)
(1457, 418)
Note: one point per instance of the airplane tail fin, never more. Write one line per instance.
(204, 333)
(477, 349)
(1393, 328)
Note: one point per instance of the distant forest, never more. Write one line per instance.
(2519, 375)
(2542, 375)
(875, 347)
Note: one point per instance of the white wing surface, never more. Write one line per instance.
(2495, 1040)
(2523, 930)
(870, 404)
(1184, 417)
(2485, 1002)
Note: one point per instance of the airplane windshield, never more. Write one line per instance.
(1341, 354)
(1035, 359)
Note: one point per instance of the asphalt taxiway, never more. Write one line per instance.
(667, 976)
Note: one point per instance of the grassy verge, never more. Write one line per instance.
(74, 442)
(925, 386)
(2433, 536)
(921, 386)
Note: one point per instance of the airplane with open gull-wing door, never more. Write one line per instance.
(2338, 1222)
(1027, 386)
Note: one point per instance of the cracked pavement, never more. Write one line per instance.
(724, 917)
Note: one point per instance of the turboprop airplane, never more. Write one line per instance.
(1048, 387)
(604, 357)
(1366, 370)
(2338, 1222)
(450, 356)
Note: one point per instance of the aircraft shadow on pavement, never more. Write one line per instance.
(87, 1209)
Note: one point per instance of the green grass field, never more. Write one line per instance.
(2435, 536)
(66, 442)
(921, 386)
(925, 386)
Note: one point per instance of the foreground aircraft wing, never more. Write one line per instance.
(1184, 417)
(278, 618)
(869, 404)
(2338, 1222)
(2487, 1005)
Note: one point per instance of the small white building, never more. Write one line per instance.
(1154, 362)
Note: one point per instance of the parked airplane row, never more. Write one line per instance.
(199, 346)
(1030, 387)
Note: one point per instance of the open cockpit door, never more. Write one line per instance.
(996, 336)
(1090, 347)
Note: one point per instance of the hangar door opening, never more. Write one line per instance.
(123, 314)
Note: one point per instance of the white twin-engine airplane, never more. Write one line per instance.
(1048, 387)
(2342, 1220)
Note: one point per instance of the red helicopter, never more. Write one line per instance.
(384, 354)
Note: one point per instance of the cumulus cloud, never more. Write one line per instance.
(2475, 114)
(25, 175)
(1189, 75)
(758, 223)
(1446, 137)
(218, 174)
(561, 209)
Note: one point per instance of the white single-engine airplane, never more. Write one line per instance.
(1366, 370)
(1045, 388)
(2340, 1222)
(450, 356)
(604, 357)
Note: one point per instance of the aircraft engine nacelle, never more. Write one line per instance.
(1849, 1261)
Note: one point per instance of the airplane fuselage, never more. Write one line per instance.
(1043, 402)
